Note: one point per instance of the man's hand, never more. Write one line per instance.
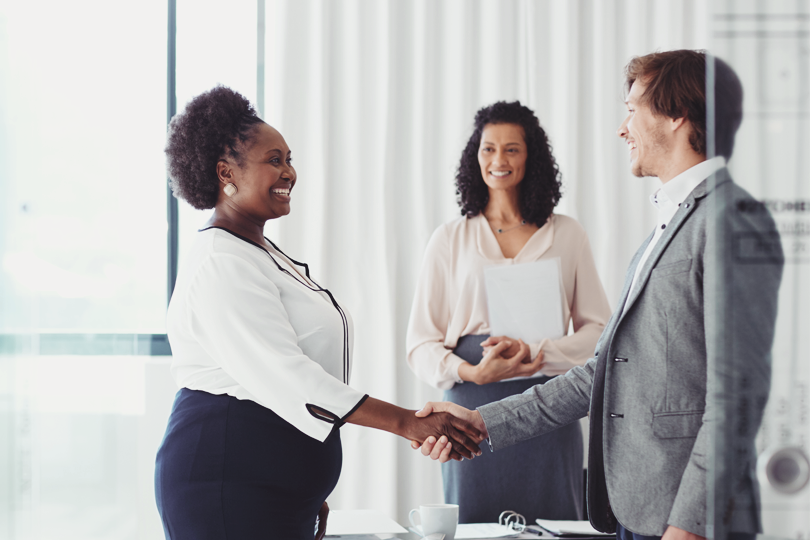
(442, 449)
(498, 363)
(674, 533)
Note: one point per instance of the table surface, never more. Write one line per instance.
(547, 536)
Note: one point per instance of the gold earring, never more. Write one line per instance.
(230, 189)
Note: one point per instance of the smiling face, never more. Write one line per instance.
(265, 178)
(644, 134)
(502, 156)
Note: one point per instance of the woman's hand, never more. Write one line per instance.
(496, 365)
(511, 351)
(323, 514)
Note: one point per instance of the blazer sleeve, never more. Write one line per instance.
(740, 308)
(237, 315)
(540, 409)
(590, 312)
(430, 317)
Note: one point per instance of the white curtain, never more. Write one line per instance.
(376, 99)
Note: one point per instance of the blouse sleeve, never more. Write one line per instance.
(237, 315)
(590, 312)
(430, 317)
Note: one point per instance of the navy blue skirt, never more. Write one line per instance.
(230, 468)
(539, 478)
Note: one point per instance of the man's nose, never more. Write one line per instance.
(622, 131)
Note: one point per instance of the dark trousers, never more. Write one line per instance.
(230, 468)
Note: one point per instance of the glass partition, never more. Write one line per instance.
(84, 205)
(82, 267)
(768, 45)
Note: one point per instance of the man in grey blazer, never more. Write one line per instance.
(680, 376)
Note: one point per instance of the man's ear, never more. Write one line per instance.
(678, 123)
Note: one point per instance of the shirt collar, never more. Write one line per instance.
(677, 189)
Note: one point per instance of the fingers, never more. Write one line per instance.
(463, 444)
(469, 428)
(433, 407)
(493, 340)
(429, 408)
(427, 446)
(443, 447)
(496, 350)
(460, 444)
(441, 450)
(523, 349)
(447, 454)
(534, 366)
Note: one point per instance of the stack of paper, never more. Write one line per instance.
(570, 528)
(469, 531)
(472, 531)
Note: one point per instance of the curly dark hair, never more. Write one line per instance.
(540, 189)
(216, 124)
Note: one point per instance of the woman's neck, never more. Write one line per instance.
(503, 206)
(234, 221)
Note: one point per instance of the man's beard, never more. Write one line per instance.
(656, 147)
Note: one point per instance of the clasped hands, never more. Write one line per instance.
(503, 358)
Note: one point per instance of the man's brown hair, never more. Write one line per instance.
(676, 88)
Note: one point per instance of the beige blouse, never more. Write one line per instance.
(450, 299)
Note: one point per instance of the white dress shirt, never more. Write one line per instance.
(669, 197)
(238, 325)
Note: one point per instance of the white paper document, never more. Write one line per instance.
(570, 528)
(471, 531)
(525, 300)
(360, 522)
(468, 531)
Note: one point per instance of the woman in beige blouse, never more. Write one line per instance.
(508, 185)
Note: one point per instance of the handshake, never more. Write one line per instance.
(453, 432)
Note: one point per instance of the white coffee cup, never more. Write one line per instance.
(437, 518)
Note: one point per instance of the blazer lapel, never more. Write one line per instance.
(628, 280)
(686, 208)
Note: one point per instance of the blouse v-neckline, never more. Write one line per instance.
(537, 244)
(271, 250)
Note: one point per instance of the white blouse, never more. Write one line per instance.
(450, 299)
(238, 325)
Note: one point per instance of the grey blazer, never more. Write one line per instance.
(666, 378)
